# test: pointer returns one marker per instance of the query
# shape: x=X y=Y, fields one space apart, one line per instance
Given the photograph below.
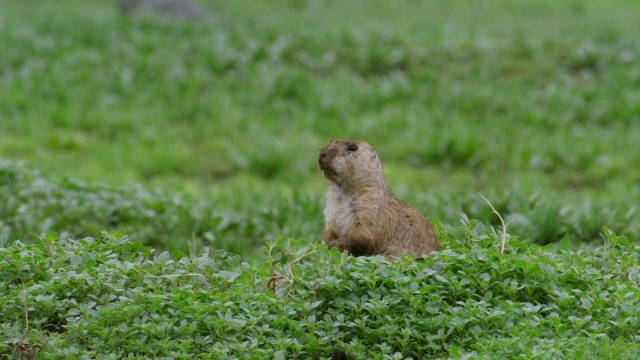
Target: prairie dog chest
x=344 y=210
x=340 y=211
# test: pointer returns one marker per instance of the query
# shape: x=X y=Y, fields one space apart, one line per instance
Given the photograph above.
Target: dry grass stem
x=504 y=225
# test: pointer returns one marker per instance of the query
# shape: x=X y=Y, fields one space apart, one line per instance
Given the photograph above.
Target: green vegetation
x=108 y=297
x=32 y=205
x=200 y=137
x=244 y=219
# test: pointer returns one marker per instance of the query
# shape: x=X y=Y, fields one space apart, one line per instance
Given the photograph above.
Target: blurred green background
x=205 y=132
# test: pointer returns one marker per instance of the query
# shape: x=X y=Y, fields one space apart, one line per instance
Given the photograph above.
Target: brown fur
x=362 y=215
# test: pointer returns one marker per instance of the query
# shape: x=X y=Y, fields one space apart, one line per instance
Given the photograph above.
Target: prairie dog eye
x=352 y=147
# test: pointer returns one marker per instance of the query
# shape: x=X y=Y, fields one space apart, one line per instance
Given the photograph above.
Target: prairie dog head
x=350 y=163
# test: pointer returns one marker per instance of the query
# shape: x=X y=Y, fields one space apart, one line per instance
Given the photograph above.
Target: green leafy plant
x=200 y=138
x=106 y=295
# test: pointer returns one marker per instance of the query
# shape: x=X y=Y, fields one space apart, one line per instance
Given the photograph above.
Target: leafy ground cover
x=452 y=99
x=242 y=222
x=200 y=138
x=109 y=297
x=538 y=112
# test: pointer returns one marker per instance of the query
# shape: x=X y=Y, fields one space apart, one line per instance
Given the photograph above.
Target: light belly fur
x=339 y=212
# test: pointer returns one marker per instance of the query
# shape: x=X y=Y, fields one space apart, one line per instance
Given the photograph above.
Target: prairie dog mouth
x=326 y=168
x=324 y=163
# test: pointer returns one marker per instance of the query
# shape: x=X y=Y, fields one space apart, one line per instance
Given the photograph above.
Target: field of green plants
x=159 y=194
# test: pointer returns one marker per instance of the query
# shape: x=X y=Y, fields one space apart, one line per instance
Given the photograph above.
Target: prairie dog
x=362 y=215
